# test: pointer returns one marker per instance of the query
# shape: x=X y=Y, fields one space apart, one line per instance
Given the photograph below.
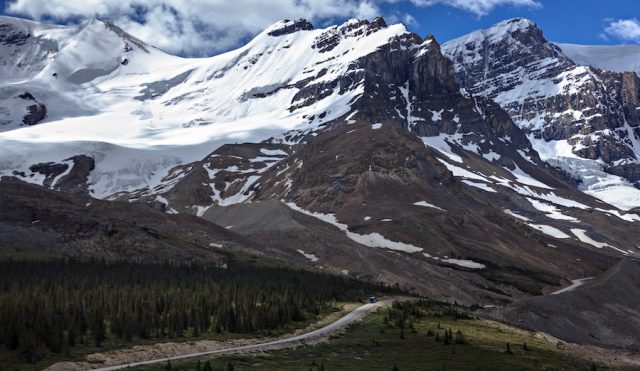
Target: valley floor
x=384 y=341
x=143 y=353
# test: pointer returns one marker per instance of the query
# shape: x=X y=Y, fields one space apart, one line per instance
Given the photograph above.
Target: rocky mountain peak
x=364 y=130
x=287 y=27
x=492 y=53
x=358 y=27
x=99 y=25
x=515 y=25
x=590 y=112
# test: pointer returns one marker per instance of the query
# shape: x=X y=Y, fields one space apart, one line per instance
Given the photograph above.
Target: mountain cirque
x=361 y=149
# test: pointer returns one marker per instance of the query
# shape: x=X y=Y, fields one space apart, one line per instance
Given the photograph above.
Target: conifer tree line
x=55 y=305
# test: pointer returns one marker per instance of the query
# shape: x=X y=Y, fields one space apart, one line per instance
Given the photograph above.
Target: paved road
x=277 y=344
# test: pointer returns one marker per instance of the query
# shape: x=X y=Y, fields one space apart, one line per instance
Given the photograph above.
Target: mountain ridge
x=358 y=137
x=579 y=118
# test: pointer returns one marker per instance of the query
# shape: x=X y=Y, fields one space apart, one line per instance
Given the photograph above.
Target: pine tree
x=71 y=337
x=67 y=303
x=448 y=337
x=508 y=350
x=98 y=329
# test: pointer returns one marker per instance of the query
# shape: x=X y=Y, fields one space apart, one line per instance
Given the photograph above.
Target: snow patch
x=465 y=263
x=481 y=186
x=574 y=285
x=309 y=256
x=551 y=211
x=515 y=215
x=372 y=239
x=582 y=236
x=549 y=230
x=426 y=204
x=273 y=152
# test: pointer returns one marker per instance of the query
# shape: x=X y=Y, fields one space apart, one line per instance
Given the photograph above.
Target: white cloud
x=625 y=29
x=409 y=20
x=479 y=7
x=195 y=27
x=206 y=27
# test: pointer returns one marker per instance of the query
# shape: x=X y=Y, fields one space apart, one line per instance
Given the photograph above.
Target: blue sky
x=207 y=27
x=570 y=21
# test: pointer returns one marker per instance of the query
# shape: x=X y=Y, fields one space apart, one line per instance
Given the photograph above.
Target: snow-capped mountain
x=355 y=144
x=580 y=118
x=359 y=149
x=105 y=92
x=139 y=112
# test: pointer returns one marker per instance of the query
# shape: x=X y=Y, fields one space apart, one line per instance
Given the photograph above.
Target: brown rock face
x=37 y=113
x=71 y=176
x=590 y=314
x=53 y=224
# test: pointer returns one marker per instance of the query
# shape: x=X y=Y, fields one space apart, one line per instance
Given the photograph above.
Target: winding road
x=343 y=322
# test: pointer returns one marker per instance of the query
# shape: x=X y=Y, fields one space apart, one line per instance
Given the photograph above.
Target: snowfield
x=139 y=111
x=617 y=58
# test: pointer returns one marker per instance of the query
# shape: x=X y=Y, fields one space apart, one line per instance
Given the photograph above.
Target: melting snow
x=460 y=172
x=311 y=257
x=465 y=263
x=551 y=211
x=70 y=165
x=628 y=217
x=426 y=204
x=527 y=179
x=491 y=156
x=372 y=239
x=515 y=215
x=549 y=230
x=440 y=144
x=273 y=152
x=582 y=236
x=482 y=186
x=574 y=285
x=436 y=115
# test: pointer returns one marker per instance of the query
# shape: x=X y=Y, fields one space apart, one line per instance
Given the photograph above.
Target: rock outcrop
x=555 y=101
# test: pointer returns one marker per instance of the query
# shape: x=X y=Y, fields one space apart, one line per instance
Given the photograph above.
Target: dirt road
x=277 y=344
